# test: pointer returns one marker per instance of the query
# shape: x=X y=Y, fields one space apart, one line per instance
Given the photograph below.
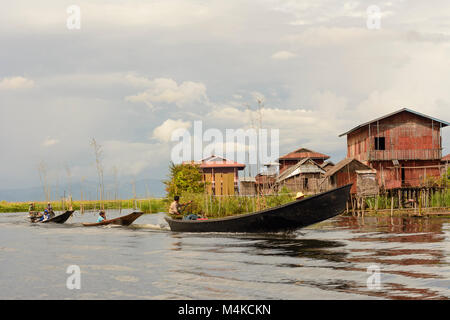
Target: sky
x=137 y=70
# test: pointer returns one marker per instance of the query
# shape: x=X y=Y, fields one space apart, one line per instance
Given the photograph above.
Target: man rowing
x=45 y=216
x=102 y=216
x=175 y=207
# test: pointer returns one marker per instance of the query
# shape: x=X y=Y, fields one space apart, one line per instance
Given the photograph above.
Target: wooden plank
x=218 y=183
x=230 y=183
x=208 y=179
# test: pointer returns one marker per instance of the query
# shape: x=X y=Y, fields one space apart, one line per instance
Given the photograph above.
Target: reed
x=228 y=205
x=152 y=205
x=438 y=199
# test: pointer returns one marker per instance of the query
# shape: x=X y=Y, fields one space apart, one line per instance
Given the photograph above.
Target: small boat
x=121 y=221
x=287 y=217
x=55 y=219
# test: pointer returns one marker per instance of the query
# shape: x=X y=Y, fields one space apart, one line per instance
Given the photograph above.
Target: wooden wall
x=406 y=135
x=412 y=140
x=297 y=183
x=222 y=181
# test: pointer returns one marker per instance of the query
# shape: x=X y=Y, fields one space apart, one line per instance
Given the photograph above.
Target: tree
x=184 y=178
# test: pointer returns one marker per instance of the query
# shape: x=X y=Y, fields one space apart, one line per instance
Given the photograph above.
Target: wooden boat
x=287 y=217
x=121 y=221
x=56 y=219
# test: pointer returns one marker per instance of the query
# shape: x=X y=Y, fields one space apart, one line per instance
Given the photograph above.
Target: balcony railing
x=419 y=154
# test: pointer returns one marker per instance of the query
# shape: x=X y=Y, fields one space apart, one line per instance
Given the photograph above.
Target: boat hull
x=287 y=217
x=57 y=219
x=121 y=221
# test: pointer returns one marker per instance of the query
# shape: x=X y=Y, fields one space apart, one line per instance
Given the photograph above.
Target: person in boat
x=31 y=207
x=299 y=196
x=102 y=216
x=192 y=216
x=175 y=207
x=49 y=207
x=45 y=216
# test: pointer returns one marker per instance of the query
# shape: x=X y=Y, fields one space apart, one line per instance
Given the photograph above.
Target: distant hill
x=144 y=187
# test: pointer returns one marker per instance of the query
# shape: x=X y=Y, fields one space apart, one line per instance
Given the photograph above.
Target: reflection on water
x=146 y=261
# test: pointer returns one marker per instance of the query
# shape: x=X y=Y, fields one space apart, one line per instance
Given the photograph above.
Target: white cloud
x=98 y=14
x=16 y=83
x=283 y=55
x=164 y=131
x=48 y=142
x=167 y=91
x=132 y=158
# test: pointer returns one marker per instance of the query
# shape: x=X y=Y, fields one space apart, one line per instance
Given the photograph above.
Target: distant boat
x=34 y=217
x=287 y=217
x=121 y=221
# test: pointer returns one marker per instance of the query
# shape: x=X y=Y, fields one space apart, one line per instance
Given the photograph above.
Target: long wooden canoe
x=121 y=221
x=287 y=217
x=57 y=219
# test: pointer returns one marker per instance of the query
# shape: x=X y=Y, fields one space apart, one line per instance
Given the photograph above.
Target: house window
x=380 y=143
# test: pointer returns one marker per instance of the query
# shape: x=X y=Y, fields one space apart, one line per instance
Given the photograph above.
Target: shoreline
x=152 y=205
x=424 y=212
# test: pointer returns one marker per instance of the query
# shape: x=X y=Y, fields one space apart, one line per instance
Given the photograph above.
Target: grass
x=222 y=206
x=437 y=202
x=145 y=205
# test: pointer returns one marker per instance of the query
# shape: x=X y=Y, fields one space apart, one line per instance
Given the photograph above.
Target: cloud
x=16 y=83
x=132 y=158
x=96 y=14
x=193 y=57
x=316 y=128
x=50 y=142
x=164 y=131
x=167 y=91
x=283 y=55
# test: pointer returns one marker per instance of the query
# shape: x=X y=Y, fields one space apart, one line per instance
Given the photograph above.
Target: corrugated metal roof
x=342 y=164
x=445 y=123
x=300 y=168
x=214 y=161
x=303 y=153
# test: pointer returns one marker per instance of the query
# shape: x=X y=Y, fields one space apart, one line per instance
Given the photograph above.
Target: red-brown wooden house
x=292 y=158
x=405 y=147
x=220 y=173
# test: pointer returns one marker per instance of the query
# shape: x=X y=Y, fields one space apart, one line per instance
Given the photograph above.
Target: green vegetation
x=146 y=205
x=184 y=178
x=427 y=200
x=222 y=206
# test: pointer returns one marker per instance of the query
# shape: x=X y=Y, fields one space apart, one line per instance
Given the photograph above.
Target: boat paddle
x=184 y=207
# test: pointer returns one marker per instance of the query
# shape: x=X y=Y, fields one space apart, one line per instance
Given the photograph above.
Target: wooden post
x=376 y=204
x=392 y=206
x=353 y=206
x=420 y=202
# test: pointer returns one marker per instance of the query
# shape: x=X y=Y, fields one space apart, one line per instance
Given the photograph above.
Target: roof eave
x=445 y=123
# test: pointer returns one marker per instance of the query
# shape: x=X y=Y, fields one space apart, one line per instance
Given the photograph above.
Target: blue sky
x=136 y=70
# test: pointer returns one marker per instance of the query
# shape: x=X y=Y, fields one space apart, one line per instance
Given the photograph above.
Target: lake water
x=147 y=261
